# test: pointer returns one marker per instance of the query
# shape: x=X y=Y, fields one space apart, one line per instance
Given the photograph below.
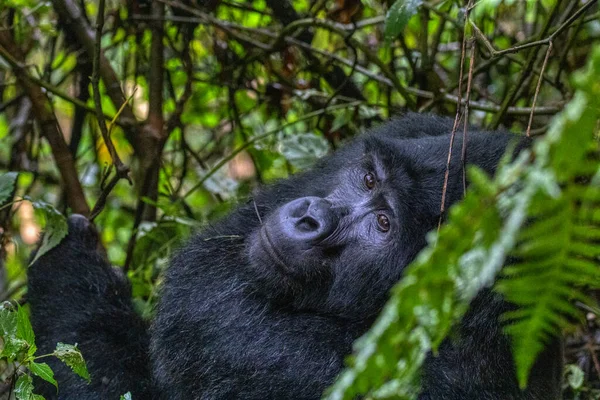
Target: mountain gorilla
x=266 y=303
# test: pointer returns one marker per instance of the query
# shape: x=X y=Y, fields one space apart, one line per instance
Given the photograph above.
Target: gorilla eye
x=383 y=222
x=370 y=180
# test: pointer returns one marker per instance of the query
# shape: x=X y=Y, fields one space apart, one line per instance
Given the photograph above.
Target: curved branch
x=42 y=109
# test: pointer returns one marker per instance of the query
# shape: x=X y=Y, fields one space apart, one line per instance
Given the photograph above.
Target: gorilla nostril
x=307 y=224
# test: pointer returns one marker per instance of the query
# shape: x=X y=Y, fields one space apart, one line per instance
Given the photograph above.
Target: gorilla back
x=266 y=303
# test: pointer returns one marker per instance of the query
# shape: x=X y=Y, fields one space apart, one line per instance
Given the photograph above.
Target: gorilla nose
x=309 y=218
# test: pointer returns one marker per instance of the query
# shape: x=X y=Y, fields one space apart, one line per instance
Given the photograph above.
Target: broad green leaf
x=303 y=150
x=398 y=16
x=24 y=329
x=55 y=229
x=12 y=345
x=70 y=355
x=7 y=185
x=342 y=118
x=24 y=389
x=127 y=396
x=8 y=321
x=44 y=371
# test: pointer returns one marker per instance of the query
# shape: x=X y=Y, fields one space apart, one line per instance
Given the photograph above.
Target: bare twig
x=79 y=28
x=343 y=30
x=537 y=89
x=552 y=36
x=456 y=121
x=121 y=170
x=458 y=115
x=532 y=56
x=463 y=157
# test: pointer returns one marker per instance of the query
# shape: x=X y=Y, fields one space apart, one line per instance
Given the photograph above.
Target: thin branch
x=343 y=30
x=524 y=75
x=121 y=170
x=463 y=157
x=77 y=25
x=42 y=109
x=59 y=93
x=456 y=120
x=537 y=89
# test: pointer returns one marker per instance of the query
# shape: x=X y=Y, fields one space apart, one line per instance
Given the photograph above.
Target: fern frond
x=557 y=253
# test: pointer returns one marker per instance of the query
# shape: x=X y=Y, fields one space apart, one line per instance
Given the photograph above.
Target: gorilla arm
x=76 y=297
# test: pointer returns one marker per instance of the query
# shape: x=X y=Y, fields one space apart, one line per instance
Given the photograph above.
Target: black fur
x=76 y=297
x=267 y=306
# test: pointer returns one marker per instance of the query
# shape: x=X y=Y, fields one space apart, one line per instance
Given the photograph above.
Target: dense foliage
x=555 y=188
x=200 y=101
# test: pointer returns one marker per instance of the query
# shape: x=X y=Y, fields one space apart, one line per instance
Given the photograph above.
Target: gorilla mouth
x=267 y=244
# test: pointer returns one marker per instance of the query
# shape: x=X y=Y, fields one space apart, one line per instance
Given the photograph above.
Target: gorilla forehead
x=408 y=170
x=396 y=151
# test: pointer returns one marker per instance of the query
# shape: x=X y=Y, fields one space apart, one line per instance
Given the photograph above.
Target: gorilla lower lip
x=267 y=244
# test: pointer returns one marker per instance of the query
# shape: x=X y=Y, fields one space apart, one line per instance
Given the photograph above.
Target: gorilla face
x=347 y=236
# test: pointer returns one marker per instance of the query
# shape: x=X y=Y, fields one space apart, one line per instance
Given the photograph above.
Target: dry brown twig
x=456 y=118
x=121 y=170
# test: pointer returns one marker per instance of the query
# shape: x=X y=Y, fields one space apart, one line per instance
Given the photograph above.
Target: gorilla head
x=338 y=237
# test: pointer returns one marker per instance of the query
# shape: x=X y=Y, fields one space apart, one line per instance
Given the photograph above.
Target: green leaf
x=55 y=228
x=126 y=396
x=44 y=371
x=304 y=149
x=575 y=376
x=24 y=389
x=7 y=185
x=8 y=322
x=24 y=329
x=70 y=355
x=558 y=250
x=398 y=16
x=12 y=345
